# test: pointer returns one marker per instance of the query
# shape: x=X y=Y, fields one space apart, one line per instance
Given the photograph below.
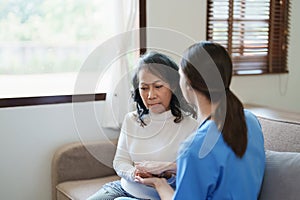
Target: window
x=255 y=33
x=46 y=42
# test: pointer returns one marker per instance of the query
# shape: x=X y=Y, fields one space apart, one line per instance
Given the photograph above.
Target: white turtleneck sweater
x=159 y=140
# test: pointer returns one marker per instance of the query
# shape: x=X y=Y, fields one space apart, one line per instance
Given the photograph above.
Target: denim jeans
x=110 y=191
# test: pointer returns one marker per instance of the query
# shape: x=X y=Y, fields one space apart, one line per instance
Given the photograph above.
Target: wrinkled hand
x=155 y=167
x=142 y=174
x=153 y=182
x=164 y=190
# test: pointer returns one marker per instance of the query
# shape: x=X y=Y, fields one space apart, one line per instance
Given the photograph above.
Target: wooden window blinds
x=255 y=33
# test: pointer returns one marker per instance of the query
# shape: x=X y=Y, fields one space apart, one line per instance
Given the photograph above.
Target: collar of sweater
x=161 y=116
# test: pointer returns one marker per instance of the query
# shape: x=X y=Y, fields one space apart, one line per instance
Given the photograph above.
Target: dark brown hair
x=162 y=66
x=208 y=67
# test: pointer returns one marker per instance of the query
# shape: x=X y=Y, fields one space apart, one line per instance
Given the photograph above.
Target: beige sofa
x=79 y=170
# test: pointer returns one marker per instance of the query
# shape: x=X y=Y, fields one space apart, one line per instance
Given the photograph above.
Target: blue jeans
x=111 y=191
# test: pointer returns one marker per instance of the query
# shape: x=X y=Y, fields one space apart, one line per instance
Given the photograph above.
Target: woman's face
x=156 y=93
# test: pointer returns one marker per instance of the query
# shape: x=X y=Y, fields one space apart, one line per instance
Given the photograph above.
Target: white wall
x=30 y=135
x=189 y=17
x=173 y=25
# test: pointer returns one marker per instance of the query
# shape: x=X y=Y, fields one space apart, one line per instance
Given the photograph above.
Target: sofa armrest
x=79 y=161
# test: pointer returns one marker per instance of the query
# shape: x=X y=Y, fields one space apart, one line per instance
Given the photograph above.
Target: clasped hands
x=152 y=173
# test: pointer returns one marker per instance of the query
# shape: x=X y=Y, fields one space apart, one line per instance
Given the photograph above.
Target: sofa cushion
x=81 y=189
x=282 y=176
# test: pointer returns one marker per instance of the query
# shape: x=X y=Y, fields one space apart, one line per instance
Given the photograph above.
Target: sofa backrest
x=77 y=161
x=280 y=135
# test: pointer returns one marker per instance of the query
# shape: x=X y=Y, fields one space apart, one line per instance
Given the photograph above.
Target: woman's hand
x=155 y=167
x=151 y=181
x=164 y=190
x=142 y=173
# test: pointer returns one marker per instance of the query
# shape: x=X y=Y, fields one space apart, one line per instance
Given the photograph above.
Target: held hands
x=152 y=173
x=142 y=174
x=152 y=182
x=155 y=174
x=156 y=168
x=164 y=190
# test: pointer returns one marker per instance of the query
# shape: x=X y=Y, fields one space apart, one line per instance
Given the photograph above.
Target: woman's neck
x=205 y=107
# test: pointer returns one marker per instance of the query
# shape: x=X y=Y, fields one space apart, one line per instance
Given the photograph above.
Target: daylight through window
x=43 y=43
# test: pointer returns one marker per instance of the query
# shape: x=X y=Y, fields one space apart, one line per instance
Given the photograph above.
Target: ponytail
x=234 y=125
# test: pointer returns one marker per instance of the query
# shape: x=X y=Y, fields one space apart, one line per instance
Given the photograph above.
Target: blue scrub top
x=207 y=168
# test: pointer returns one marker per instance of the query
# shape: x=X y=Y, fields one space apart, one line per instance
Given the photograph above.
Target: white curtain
x=118 y=87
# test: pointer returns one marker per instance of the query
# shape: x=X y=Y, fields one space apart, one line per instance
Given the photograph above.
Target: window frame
x=275 y=60
x=58 y=99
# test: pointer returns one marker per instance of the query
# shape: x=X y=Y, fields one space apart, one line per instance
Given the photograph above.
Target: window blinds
x=254 y=32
